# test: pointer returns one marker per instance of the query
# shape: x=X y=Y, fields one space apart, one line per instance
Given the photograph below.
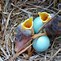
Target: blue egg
x=41 y=44
x=37 y=24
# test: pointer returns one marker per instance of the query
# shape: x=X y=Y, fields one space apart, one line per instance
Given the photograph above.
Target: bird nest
x=14 y=12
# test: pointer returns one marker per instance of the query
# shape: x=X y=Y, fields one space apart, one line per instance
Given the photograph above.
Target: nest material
x=16 y=11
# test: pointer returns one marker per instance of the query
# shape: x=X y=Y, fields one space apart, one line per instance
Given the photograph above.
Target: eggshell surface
x=37 y=24
x=41 y=44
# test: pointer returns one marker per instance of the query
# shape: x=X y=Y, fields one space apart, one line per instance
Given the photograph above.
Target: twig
x=7 y=1
x=55 y=1
x=29 y=13
x=13 y=48
x=54 y=41
x=49 y=5
x=3 y=51
x=25 y=1
x=6 y=41
x=1 y=5
x=6 y=24
x=12 y=41
x=53 y=44
x=1 y=59
x=5 y=31
x=55 y=8
x=0 y=8
x=33 y=57
x=37 y=35
x=41 y=7
x=55 y=53
x=45 y=59
x=8 y=18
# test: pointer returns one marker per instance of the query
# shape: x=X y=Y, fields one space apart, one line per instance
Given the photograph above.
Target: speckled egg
x=37 y=24
x=41 y=44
